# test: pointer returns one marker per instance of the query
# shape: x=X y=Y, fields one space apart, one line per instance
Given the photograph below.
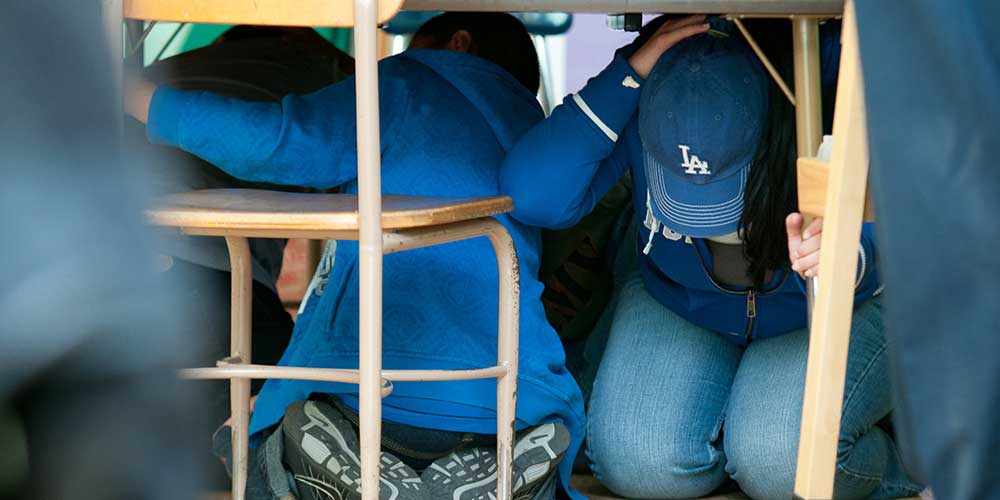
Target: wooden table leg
x=831 y=326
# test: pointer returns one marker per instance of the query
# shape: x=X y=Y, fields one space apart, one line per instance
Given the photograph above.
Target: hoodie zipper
x=750 y=293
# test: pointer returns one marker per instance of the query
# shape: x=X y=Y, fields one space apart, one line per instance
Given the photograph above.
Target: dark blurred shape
x=14 y=459
x=932 y=86
x=91 y=336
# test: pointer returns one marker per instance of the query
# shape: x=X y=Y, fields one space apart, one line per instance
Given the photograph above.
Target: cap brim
x=696 y=210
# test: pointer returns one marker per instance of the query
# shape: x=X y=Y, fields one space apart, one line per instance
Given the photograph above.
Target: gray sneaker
x=322 y=450
x=472 y=474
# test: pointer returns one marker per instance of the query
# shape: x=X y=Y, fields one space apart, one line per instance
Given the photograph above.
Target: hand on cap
x=803 y=246
x=672 y=32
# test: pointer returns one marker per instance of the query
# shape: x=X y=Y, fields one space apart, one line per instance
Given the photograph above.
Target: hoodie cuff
x=165 y=111
x=610 y=99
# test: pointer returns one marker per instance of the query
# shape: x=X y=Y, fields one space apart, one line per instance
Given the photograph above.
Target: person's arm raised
x=562 y=167
x=303 y=140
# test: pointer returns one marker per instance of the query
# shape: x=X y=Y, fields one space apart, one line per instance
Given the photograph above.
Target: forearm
x=303 y=141
x=557 y=170
x=237 y=136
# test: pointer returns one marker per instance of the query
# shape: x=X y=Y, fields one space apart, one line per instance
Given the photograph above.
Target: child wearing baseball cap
x=703 y=373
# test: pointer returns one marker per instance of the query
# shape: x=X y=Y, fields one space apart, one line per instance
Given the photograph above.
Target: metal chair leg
x=507 y=351
x=369 y=245
x=241 y=302
x=808 y=109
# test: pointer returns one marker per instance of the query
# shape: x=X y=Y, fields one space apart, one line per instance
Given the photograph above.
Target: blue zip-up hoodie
x=448 y=119
x=563 y=166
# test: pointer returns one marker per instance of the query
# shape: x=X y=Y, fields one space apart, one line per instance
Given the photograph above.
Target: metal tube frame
x=808 y=88
x=239 y=369
x=241 y=314
x=252 y=371
x=507 y=331
x=808 y=109
x=369 y=244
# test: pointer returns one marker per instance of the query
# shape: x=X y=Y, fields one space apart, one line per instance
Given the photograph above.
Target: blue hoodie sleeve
x=305 y=140
x=560 y=169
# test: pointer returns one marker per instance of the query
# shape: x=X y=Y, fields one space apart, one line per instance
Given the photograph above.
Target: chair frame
x=239 y=369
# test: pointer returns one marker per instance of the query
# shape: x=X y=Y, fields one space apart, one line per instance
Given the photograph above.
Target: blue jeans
x=676 y=408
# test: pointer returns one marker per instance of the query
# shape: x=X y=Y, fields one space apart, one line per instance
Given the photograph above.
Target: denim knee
x=764 y=464
x=653 y=465
x=761 y=459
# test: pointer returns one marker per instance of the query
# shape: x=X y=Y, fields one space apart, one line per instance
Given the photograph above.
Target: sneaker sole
x=328 y=466
x=472 y=474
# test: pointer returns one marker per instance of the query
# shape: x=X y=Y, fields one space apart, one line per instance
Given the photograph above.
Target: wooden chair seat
x=263 y=210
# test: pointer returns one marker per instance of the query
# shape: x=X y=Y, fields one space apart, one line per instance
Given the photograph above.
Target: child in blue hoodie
x=451 y=106
x=703 y=374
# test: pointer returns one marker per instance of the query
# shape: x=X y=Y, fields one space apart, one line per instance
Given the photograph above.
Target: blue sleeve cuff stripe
x=594 y=118
x=613 y=95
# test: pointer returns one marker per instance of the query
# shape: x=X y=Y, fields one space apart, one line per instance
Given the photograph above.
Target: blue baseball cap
x=701 y=116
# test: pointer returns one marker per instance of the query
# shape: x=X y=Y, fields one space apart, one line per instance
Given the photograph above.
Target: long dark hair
x=772 y=192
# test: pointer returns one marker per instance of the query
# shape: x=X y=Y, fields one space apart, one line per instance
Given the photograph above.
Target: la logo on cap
x=693 y=165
